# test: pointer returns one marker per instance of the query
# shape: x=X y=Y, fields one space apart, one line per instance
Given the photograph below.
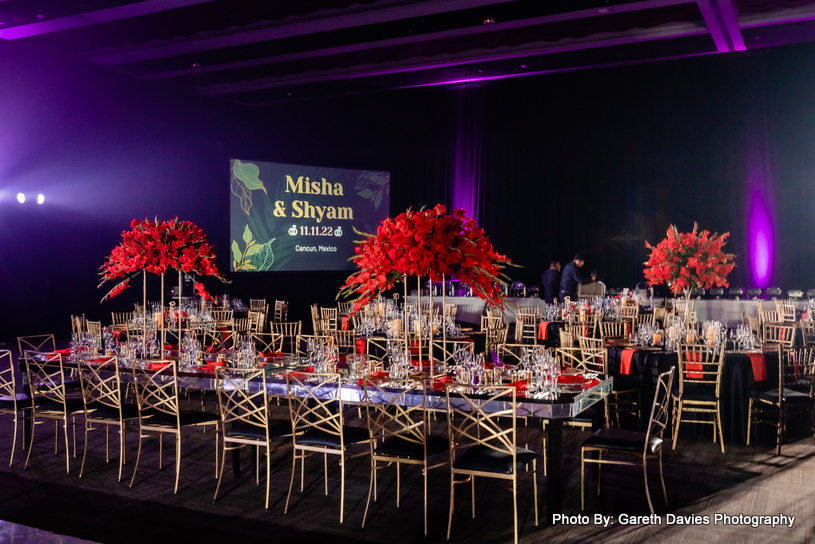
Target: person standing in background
x=571 y=278
x=550 y=282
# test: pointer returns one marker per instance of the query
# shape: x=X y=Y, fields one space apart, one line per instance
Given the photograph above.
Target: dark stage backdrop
x=596 y=162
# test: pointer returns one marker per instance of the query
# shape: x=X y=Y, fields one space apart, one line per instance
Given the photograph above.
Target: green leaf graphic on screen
x=255 y=256
x=245 y=180
x=374 y=187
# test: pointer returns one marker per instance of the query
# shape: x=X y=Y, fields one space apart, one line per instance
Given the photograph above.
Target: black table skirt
x=737 y=383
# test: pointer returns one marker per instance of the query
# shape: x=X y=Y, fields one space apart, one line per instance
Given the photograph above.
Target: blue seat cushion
x=396 y=446
x=486 y=459
x=318 y=437
x=622 y=440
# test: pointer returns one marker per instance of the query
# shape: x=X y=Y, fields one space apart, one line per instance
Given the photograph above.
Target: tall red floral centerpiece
x=425 y=243
x=155 y=246
x=687 y=260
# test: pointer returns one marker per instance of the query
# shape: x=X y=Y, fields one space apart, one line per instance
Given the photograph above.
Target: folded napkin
x=117 y=334
x=520 y=385
x=302 y=374
x=759 y=364
x=170 y=347
x=99 y=360
x=571 y=378
x=157 y=366
x=345 y=324
x=543 y=330
x=66 y=351
x=360 y=342
x=270 y=354
x=625 y=361
x=689 y=366
x=377 y=374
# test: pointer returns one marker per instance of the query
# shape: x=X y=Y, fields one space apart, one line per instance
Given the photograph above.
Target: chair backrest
x=783 y=335
x=491 y=322
x=95 y=328
x=36 y=343
x=242 y=324
x=223 y=318
x=257 y=304
x=281 y=311
x=345 y=307
x=46 y=375
x=513 y=353
x=257 y=320
x=808 y=332
x=290 y=330
x=392 y=411
x=8 y=384
x=526 y=328
x=316 y=320
x=630 y=312
x=240 y=403
x=309 y=408
x=78 y=323
x=614 y=329
x=786 y=311
x=346 y=341
x=701 y=366
x=796 y=370
x=101 y=382
x=120 y=319
x=157 y=390
x=644 y=319
x=329 y=314
x=591 y=290
x=566 y=338
x=496 y=336
x=470 y=424
x=268 y=342
x=495 y=311
x=301 y=343
x=660 y=409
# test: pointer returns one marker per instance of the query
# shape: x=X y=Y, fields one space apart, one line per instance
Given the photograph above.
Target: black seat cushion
x=396 y=446
x=622 y=440
x=486 y=459
x=625 y=382
x=791 y=396
x=242 y=429
x=71 y=405
x=23 y=402
x=696 y=392
x=187 y=417
x=317 y=437
x=103 y=411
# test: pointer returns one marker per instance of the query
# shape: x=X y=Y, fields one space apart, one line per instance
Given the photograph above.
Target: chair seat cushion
x=71 y=405
x=704 y=394
x=187 y=417
x=318 y=437
x=625 y=382
x=791 y=396
x=23 y=402
x=486 y=459
x=97 y=410
x=242 y=429
x=622 y=440
x=396 y=446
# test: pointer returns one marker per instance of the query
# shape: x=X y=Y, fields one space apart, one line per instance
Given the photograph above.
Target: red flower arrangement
x=688 y=260
x=155 y=246
x=425 y=243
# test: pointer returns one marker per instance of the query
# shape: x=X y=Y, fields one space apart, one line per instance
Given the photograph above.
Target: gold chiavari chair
x=242 y=325
x=301 y=343
x=11 y=402
x=808 y=332
x=268 y=342
x=628 y=444
x=344 y=308
x=644 y=319
x=223 y=318
x=496 y=311
x=491 y=322
x=526 y=328
x=316 y=320
x=317 y=427
x=245 y=418
x=495 y=337
x=290 y=331
x=399 y=434
x=102 y=394
x=216 y=341
x=480 y=446
x=629 y=313
x=795 y=393
x=257 y=320
x=786 y=311
x=451 y=311
x=329 y=315
x=783 y=335
x=120 y=320
x=95 y=328
x=160 y=412
x=610 y=330
x=49 y=398
x=37 y=343
x=78 y=323
x=281 y=311
x=699 y=392
x=660 y=313
x=582 y=360
x=257 y=304
x=566 y=339
x=346 y=341
x=580 y=329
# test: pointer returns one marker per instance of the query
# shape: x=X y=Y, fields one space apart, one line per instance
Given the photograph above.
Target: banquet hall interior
x=567 y=127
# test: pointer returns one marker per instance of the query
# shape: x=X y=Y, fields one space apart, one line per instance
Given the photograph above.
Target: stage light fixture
x=20 y=198
x=40 y=198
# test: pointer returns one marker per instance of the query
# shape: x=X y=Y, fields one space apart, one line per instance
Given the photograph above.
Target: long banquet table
x=556 y=411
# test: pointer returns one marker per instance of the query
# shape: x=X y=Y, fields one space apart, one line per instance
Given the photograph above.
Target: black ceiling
x=266 y=51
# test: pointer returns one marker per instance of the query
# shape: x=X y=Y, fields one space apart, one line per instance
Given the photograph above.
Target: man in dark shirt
x=550 y=282
x=571 y=278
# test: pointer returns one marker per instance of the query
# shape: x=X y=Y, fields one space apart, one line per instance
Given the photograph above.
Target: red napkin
x=345 y=320
x=170 y=347
x=117 y=334
x=625 y=361
x=360 y=342
x=270 y=354
x=759 y=366
x=157 y=366
x=66 y=351
x=804 y=315
x=569 y=378
x=377 y=374
x=302 y=374
x=211 y=349
x=627 y=330
x=543 y=328
x=520 y=385
x=697 y=357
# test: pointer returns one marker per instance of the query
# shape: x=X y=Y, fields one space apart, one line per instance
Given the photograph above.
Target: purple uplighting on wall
x=761 y=239
x=467 y=150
